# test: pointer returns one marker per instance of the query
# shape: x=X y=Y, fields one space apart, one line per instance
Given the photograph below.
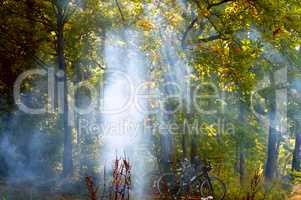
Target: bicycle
x=191 y=181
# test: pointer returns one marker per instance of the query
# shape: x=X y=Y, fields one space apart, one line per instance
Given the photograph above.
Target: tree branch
x=39 y=19
x=120 y=11
x=186 y=32
x=217 y=4
x=40 y=62
x=207 y=39
x=210 y=38
x=68 y=13
x=198 y=4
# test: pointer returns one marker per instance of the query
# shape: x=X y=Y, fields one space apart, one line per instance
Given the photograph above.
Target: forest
x=150 y=99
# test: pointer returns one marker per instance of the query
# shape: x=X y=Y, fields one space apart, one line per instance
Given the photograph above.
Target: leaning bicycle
x=192 y=182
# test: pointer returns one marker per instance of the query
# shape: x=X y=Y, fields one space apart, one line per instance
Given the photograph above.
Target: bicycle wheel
x=195 y=189
x=152 y=179
x=213 y=187
x=168 y=185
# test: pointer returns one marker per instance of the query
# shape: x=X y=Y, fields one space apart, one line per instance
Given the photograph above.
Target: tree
x=273 y=140
x=62 y=14
x=297 y=151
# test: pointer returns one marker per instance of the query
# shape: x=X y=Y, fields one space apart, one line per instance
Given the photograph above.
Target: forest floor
x=53 y=190
x=66 y=190
x=296 y=193
x=57 y=191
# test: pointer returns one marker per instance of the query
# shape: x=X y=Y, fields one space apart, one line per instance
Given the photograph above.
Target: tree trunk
x=67 y=157
x=166 y=149
x=184 y=144
x=273 y=140
x=297 y=152
x=272 y=157
x=241 y=166
x=240 y=146
x=186 y=137
x=194 y=147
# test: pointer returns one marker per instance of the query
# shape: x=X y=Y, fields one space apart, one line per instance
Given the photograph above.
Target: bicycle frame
x=199 y=176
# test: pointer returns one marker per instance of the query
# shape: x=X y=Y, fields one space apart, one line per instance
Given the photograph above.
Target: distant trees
x=21 y=22
x=236 y=57
x=33 y=34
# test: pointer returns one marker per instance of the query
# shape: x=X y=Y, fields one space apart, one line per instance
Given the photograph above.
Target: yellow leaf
x=146 y=25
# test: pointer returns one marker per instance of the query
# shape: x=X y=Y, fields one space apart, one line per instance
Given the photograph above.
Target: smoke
x=26 y=158
x=123 y=106
x=174 y=88
x=28 y=151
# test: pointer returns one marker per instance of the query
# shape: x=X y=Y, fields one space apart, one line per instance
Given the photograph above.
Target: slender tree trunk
x=77 y=100
x=272 y=157
x=67 y=156
x=77 y=103
x=186 y=137
x=241 y=166
x=240 y=146
x=273 y=140
x=242 y=149
x=194 y=147
x=297 y=152
x=184 y=144
x=166 y=149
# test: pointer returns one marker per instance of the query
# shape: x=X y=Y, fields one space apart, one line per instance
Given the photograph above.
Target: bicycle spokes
x=168 y=185
x=214 y=188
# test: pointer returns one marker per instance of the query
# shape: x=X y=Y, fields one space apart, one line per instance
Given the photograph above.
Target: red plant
x=121 y=179
x=91 y=188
